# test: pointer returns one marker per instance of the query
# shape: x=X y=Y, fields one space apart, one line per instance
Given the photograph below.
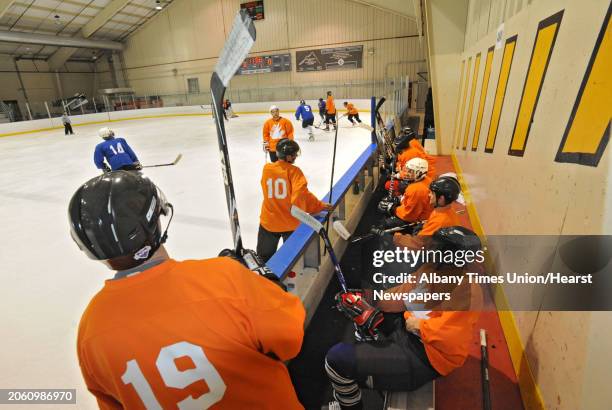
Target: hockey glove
x=365 y=317
x=266 y=146
x=387 y=206
x=251 y=260
x=138 y=165
x=106 y=168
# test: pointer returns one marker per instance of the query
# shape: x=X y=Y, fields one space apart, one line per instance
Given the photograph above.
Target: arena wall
x=539 y=164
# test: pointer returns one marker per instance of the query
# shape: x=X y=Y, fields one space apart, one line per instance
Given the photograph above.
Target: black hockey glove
x=251 y=260
x=365 y=317
x=106 y=168
x=387 y=206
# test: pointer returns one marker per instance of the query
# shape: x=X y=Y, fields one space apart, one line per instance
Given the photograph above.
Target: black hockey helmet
x=456 y=238
x=446 y=186
x=302 y=102
x=115 y=218
x=329 y=93
x=320 y=99
x=287 y=147
x=402 y=140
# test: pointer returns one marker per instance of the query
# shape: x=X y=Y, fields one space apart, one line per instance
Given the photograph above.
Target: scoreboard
x=265 y=64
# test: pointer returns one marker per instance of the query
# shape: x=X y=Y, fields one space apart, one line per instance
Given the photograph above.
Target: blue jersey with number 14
x=305 y=112
x=117 y=153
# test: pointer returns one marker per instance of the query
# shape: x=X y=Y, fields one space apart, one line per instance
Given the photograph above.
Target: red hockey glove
x=365 y=317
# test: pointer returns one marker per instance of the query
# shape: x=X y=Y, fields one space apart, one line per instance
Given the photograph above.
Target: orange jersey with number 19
x=283 y=185
x=196 y=334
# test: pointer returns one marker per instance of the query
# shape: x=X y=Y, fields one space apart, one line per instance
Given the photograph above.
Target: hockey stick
x=484 y=371
x=317 y=226
x=365 y=126
x=235 y=50
x=383 y=134
x=178 y=158
x=346 y=235
x=331 y=182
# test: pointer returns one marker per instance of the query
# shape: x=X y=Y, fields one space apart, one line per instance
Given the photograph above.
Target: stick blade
x=341 y=230
x=365 y=126
x=178 y=158
x=306 y=218
x=237 y=47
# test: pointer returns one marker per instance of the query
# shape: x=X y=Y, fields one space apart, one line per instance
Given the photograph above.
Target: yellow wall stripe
x=588 y=130
x=530 y=392
x=483 y=97
x=459 y=102
x=465 y=88
x=536 y=72
x=500 y=92
x=468 y=120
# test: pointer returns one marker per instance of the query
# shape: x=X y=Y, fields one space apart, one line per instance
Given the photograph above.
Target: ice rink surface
x=47 y=281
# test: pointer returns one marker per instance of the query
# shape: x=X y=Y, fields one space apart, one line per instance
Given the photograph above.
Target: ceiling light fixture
x=158 y=5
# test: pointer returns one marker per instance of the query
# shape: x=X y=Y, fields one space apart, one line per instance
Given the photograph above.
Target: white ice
x=46 y=281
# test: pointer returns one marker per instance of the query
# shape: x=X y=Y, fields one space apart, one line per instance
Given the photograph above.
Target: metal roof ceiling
x=39 y=16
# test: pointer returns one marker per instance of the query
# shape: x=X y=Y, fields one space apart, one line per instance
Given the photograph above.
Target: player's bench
x=303 y=251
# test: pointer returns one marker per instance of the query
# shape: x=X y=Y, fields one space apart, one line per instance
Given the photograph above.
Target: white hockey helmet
x=273 y=108
x=106 y=133
x=419 y=168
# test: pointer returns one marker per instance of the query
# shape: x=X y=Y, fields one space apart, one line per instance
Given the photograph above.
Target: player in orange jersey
x=415 y=204
x=274 y=130
x=330 y=115
x=431 y=339
x=162 y=333
x=407 y=147
x=442 y=193
x=353 y=114
x=283 y=185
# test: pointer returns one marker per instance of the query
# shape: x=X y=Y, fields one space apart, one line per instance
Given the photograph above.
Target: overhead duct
x=50 y=40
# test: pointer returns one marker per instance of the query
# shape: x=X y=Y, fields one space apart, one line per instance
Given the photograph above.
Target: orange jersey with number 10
x=198 y=334
x=283 y=185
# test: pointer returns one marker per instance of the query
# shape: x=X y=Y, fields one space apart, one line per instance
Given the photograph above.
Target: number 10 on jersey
x=277 y=188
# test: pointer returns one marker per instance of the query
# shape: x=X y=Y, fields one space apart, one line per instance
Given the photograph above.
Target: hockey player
x=330 y=113
x=442 y=193
x=322 y=111
x=407 y=147
x=116 y=152
x=175 y=334
x=304 y=111
x=283 y=185
x=228 y=110
x=432 y=339
x=353 y=114
x=275 y=129
x=415 y=204
x=67 y=124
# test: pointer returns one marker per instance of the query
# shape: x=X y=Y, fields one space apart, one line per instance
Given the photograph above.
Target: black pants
x=273 y=156
x=68 y=129
x=355 y=116
x=306 y=123
x=267 y=242
x=330 y=118
x=129 y=167
x=398 y=363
